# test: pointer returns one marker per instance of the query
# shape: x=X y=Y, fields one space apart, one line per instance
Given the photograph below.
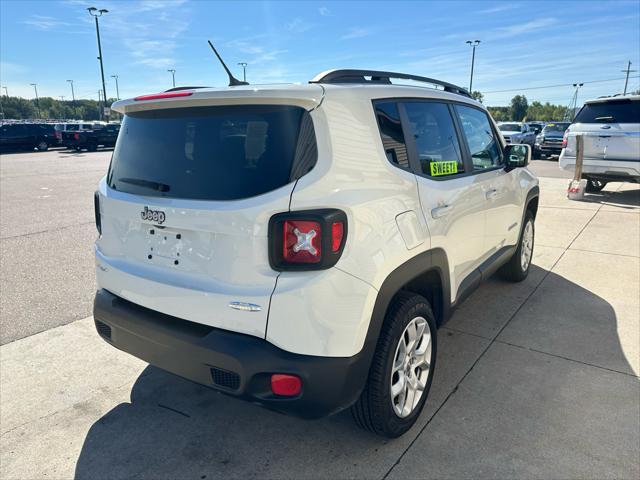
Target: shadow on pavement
x=177 y=429
x=627 y=199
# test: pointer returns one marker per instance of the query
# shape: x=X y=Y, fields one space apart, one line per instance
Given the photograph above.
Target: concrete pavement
x=47 y=229
x=537 y=379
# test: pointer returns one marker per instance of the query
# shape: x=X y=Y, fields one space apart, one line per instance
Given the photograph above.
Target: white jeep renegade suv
x=298 y=246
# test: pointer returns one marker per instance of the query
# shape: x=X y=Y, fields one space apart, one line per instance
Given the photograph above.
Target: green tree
x=477 y=96
x=519 y=107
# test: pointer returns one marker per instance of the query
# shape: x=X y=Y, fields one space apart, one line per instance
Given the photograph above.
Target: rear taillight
x=76 y=136
x=301 y=241
x=96 y=208
x=565 y=139
x=306 y=240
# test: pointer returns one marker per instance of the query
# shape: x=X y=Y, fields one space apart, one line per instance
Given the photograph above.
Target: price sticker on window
x=443 y=168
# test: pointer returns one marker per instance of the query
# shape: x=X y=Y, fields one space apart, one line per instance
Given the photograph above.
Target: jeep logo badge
x=155 y=216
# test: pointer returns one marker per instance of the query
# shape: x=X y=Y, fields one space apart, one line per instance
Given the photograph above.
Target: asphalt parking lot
x=537 y=379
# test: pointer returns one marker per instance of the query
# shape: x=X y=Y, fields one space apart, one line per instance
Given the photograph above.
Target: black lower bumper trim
x=236 y=364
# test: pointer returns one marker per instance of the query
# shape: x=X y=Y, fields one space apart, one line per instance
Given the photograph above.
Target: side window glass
x=483 y=143
x=391 y=133
x=436 y=139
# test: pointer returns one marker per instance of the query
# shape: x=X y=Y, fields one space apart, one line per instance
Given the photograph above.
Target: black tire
x=594 y=186
x=42 y=146
x=374 y=411
x=92 y=147
x=513 y=270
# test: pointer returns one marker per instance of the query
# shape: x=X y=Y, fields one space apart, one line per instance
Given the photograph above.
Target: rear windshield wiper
x=608 y=117
x=161 y=187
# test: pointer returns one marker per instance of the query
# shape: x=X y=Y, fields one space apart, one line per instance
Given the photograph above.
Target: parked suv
x=549 y=141
x=299 y=245
x=27 y=136
x=611 y=130
x=517 y=132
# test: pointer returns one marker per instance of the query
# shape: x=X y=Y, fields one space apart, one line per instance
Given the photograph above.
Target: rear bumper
x=236 y=364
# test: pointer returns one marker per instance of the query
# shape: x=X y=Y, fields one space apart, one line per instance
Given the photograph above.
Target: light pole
x=244 y=70
x=173 y=75
x=35 y=87
x=95 y=13
x=73 y=97
x=6 y=92
x=627 y=71
x=117 y=89
x=473 y=44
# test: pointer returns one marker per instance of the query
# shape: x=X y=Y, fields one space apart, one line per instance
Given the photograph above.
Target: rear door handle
x=440 y=212
x=491 y=194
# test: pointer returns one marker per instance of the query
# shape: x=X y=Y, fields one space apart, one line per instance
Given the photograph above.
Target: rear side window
x=618 y=111
x=212 y=153
x=436 y=139
x=391 y=132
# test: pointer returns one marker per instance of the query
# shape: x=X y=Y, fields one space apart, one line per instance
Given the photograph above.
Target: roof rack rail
x=177 y=89
x=380 y=77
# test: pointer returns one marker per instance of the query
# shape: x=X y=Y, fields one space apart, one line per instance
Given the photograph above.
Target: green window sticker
x=443 y=168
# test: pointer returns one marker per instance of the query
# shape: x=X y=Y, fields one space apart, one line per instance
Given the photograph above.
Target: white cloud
x=299 y=25
x=43 y=22
x=522 y=28
x=324 y=11
x=500 y=8
x=357 y=32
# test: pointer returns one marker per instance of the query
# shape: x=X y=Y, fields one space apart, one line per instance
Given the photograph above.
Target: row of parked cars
x=545 y=138
x=28 y=136
x=610 y=127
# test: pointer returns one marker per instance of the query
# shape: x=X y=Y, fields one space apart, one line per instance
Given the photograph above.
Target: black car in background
x=27 y=136
x=98 y=136
x=549 y=141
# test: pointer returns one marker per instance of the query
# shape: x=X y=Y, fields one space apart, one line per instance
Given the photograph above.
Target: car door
x=451 y=199
x=499 y=187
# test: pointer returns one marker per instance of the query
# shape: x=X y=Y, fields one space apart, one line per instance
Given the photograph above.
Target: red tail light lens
x=157 y=96
x=301 y=241
x=306 y=240
x=76 y=136
x=565 y=138
x=286 y=385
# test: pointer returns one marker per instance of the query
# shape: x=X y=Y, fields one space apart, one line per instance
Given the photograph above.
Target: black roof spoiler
x=384 y=78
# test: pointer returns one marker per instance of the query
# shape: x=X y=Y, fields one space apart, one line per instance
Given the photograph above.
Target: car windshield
x=509 y=127
x=212 y=153
x=623 y=110
x=556 y=127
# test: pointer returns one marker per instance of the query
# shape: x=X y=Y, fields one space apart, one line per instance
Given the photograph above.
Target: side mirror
x=517 y=155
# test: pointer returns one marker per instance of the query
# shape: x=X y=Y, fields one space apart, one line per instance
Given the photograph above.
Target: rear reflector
x=337 y=232
x=157 y=96
x=286 y=385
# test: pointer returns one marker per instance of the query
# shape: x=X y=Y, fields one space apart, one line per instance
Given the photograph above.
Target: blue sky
x=524 y=44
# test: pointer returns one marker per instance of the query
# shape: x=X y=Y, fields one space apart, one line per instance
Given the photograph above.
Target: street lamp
x=95 y=13
x=244 y=70
x=6 y=92
x=73 y=97
x=173 y=75
x=473 y=44
x=35 y=87
x=117 y=89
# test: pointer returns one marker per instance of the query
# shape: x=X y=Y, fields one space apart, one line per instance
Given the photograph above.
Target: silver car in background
x=517 y=132
x=611 y=130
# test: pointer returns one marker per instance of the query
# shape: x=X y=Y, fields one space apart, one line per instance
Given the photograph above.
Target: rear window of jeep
x=212 y=153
